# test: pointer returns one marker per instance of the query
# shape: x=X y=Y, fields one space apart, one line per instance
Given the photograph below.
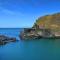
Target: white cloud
x=7 y=11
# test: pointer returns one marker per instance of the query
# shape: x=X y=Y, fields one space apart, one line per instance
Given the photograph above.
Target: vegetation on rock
x=49 y=21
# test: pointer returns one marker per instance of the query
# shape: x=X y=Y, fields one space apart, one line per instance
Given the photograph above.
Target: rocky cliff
x=49 y=21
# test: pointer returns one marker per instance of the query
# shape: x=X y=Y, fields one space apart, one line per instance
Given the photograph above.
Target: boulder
x=5 y=39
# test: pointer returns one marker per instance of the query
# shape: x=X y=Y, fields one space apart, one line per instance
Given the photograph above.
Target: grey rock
x=5 y=39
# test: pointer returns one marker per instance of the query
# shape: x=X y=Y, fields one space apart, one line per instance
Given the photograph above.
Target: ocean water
x=43 y=49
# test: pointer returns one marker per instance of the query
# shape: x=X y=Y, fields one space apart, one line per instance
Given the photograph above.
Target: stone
x=5 y=39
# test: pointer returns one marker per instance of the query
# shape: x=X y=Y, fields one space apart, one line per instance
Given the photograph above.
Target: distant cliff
x=49 y=21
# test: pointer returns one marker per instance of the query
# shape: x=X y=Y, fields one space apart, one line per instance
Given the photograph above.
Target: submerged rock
x=5 y=39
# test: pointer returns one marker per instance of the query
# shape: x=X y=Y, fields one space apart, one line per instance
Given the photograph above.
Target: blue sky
x=23 y=13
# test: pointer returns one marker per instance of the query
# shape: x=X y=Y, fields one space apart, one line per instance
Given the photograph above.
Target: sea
x=40 y=49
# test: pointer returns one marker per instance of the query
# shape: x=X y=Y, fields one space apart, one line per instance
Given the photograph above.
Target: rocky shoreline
x=5 y=39
x=31 y=33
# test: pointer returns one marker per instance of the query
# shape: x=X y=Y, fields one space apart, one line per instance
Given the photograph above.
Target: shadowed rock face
x=5 y=39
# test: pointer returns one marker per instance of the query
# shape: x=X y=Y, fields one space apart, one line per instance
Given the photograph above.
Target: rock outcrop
x=47 y=26
x=5 y=39
x=48 y=21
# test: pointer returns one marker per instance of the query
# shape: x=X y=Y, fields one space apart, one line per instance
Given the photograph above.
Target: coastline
x=33 y=34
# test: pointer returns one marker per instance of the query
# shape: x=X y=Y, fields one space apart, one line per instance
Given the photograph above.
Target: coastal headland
x=47 y=26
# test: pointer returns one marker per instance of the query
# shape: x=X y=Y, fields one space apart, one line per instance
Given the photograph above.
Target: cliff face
x=49 y=21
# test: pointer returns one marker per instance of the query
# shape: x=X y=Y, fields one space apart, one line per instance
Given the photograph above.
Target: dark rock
x=5 y=39
x=3 y=43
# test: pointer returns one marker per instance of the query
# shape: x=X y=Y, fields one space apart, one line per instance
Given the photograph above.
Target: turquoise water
x=43 y=49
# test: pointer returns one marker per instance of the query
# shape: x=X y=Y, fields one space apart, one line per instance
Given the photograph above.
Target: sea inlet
x=42 y=49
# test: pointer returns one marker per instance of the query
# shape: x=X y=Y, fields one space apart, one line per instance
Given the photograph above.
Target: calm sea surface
x=43 y=49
